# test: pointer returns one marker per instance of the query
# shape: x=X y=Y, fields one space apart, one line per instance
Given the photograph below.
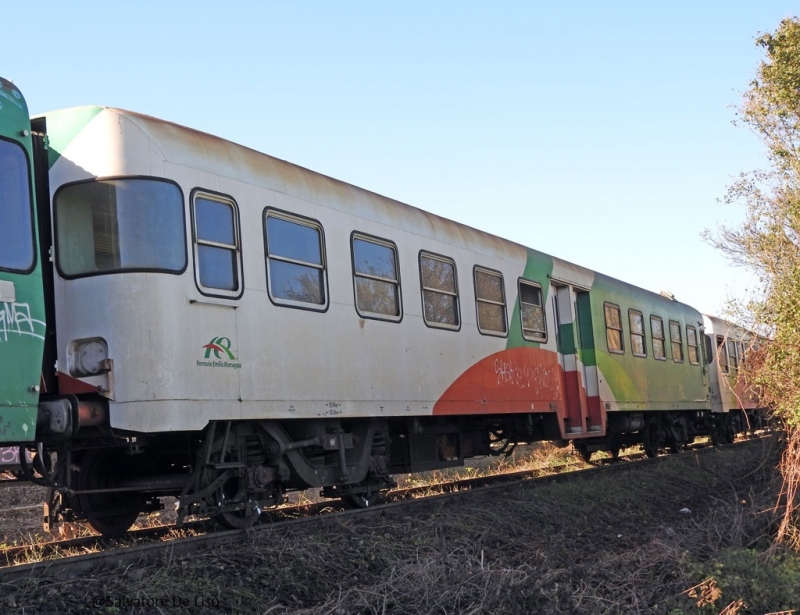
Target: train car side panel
x=644 y=353
x=232 y=357
x=22 y=320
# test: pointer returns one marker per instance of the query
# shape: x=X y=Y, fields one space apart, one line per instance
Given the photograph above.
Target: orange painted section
x=510 y=381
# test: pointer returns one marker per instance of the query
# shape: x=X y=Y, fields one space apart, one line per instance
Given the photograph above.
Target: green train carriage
x=652 y=368
x=22 y=308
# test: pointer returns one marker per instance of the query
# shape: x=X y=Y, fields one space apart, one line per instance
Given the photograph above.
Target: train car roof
x=720 y=326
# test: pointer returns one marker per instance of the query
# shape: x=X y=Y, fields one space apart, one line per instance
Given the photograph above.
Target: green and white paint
x=22 y=326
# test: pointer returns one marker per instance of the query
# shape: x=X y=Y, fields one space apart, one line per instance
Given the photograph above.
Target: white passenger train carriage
x=729 y=346
x=208 y=339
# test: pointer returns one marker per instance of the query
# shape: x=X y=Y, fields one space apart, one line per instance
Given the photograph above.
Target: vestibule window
x=614 y=329
x=531 y=311
x=216 y=243
x=691 y=342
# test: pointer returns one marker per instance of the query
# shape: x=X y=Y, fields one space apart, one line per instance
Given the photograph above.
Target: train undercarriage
x=671 y=431
x=235 y=469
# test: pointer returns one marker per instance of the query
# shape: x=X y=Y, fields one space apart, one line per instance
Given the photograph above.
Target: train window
x=691 y=345
x=115 y=225
x=676 y=341
x=722 y=354
x=295 y=261
x=16 y=212
x=490 y=299
x=217 y=253
x=439 y=291
x=733 y=356
x=376 y=278
x=708 y=349
x=614 y=329
x=657 y=331
x=638 y=345
x=531 y=312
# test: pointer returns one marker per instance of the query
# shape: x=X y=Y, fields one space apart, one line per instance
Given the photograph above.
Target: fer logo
x=219 y=346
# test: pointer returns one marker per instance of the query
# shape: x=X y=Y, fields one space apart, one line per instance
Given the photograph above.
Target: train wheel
x=242 y=511
x=723 y=431
x=110 y=514
x=584 y=452
x=651 y=438
x=241 y=519
x=373 y=493
x=363 y=500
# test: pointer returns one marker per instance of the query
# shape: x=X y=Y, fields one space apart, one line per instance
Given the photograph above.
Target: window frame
x=621 y=332
x=632 y=312
x=236 y=247
x=478 y=300
x=536 y=285
x=379 y=241
x=723 y=367
x=672 y=342
x=443 y=259
x=661 y=339
x=689 y=345
x=300 y=220
x=733 y=358
x=34 y=244
x=113 y=178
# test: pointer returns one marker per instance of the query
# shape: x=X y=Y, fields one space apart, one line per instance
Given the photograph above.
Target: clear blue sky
x=597 y=132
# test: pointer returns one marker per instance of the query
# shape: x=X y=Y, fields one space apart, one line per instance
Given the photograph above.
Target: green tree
x=768 y=242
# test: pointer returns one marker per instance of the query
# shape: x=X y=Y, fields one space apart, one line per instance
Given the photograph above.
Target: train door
x=704 y=359
x=583 y=311
x=575 y=343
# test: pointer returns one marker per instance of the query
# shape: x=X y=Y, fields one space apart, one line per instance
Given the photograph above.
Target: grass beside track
x=76 y=539
x=687 y=536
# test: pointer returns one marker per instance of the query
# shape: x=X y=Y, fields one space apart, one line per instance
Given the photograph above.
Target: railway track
x=81 y=554
x=44 y=551
x=6 y=481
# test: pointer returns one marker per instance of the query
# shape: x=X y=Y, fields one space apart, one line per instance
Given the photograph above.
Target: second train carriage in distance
x=231 y=326
x=728 y=347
